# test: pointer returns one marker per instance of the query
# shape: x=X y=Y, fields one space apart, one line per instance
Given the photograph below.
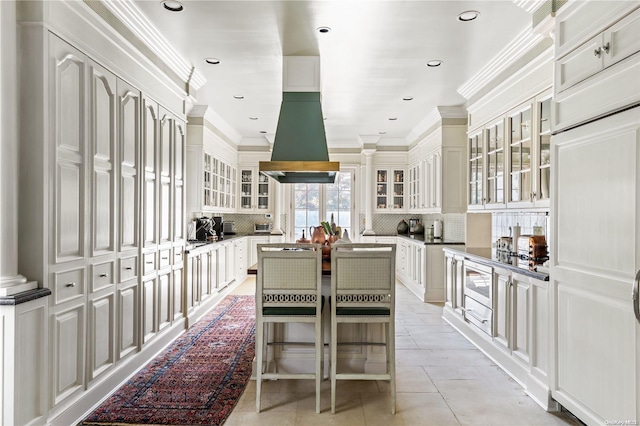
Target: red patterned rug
x=197 y=380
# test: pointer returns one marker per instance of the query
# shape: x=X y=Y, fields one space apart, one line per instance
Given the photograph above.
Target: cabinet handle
x=474 y=316
x=605 y=48
x=598 y=52
x=104 y=275
x=128 y=268
x=70 y=285
x=149 y=262
x=636 y=297
x=164 y=258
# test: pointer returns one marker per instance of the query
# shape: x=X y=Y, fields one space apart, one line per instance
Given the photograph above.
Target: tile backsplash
x=501 y=221
x=386 y=224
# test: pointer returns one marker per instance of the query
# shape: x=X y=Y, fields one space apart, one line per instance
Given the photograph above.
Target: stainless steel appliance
x=262 y=228
x=229 y=227
x=413 y=224
x=478 y=308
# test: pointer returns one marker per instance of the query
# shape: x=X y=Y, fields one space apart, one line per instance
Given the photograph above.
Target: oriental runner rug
x=197 y=380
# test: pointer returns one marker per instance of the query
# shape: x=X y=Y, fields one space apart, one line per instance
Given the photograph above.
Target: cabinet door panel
x=623 y=39
x=102 y=128
x=164 y=301
x=148 y=309
x=165 y=211
x=165 y=145
x=502 y=312
x=177 y=294
x=68 y=94
x=68 y=327
x=69 y=211
x=101 y=335
x=127 y=321
x=129 y=133
x=521 y=317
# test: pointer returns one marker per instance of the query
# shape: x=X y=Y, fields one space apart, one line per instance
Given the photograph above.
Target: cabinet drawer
x=149 y=263
x=128 y=268
x=69 y=285
x=101 y=276
x=165 y=258
x=478 y=315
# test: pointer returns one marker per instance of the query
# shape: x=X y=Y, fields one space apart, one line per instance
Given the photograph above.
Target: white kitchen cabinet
x=252 y=244
x=597 y=61
x=102 y=150
x=502 y=308
x=476 y=171
x=164 y=301
x=495 y=177
x=389 y=189
x=425 y=271
x=150 y=197
x=240 y=256
x=454 y=294
x=518 y=339
x=101 y=333
x=415 y=184
x=254 y=190
x=528 y=153
x=214 y=179
x=68 y=355
x=128 y=319
x=594 y=272
x=129 y=113
x=606 y=48
x=433 y=184
x=149 y=308
x=178 y=189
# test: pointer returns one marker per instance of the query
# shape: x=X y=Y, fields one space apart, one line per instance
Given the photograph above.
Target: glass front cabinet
x=529 y=153
x=476 y=171
x=219 y=184
x=254 y=190
x=509 y=159
x=389 y=189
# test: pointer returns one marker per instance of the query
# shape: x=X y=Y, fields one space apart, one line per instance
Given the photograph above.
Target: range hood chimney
x=300 y=153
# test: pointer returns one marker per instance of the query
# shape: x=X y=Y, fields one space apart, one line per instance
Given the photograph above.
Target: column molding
x=11 y=282
x=368 y=208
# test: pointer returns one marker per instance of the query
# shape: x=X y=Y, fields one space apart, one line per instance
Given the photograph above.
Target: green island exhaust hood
x=300 y=153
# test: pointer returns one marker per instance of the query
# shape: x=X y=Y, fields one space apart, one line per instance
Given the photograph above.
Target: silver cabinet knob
x=104 y=275
x=70 y=285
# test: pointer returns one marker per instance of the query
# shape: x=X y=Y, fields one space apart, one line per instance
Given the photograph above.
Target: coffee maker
x=413 y=225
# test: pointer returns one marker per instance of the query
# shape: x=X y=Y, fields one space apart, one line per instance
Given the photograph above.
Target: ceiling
x=373 y=57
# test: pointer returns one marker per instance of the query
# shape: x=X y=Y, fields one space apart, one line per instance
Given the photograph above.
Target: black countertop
x=488 y=256
x=422 y=238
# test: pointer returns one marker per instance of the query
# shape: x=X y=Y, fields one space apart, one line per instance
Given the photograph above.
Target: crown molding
x=506 y=57
x=434 y=118
x=216 y=124
x=133 y=18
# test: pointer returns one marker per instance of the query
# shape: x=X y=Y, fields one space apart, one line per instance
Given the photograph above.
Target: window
x=314 y=203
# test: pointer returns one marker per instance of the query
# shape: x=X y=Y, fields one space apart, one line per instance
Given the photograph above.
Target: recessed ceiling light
x=263 y=131
x=469 y=15
x=253 y=118
x=323 y=30
x=434 y=63
x=382 y=133
x=238 y=97
x=212 y=61
x=172 y=5
x=393 y=118
x=407 y=98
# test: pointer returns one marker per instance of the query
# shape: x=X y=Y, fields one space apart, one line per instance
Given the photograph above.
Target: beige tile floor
x=441 y=380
